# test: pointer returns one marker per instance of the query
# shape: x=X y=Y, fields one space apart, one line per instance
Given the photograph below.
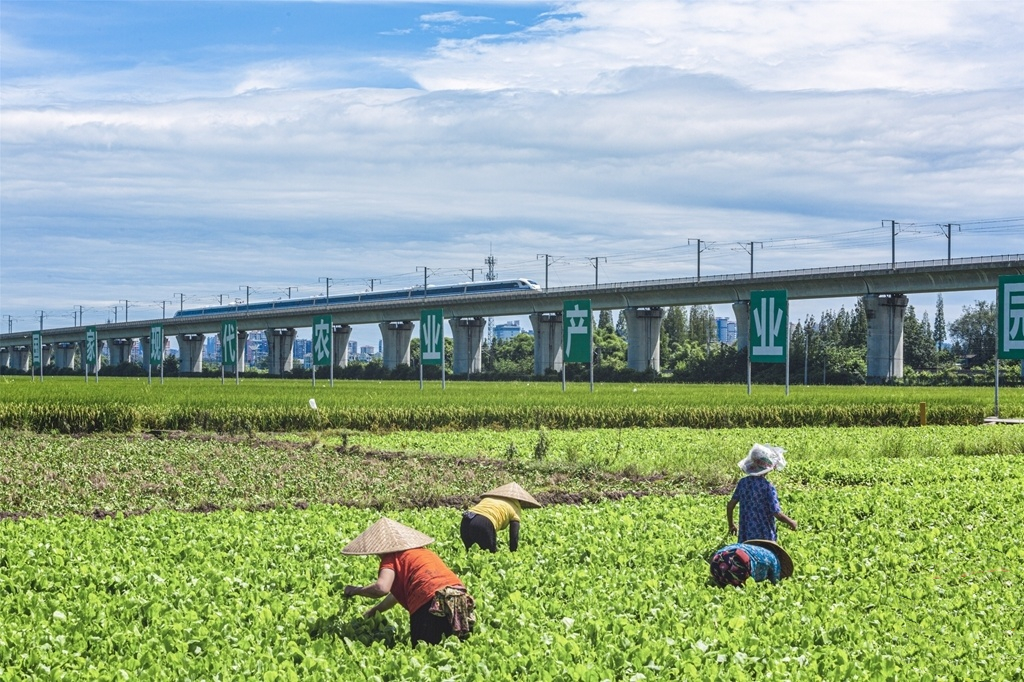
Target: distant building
x=353 y=348
x=366 y=353
x=509 y=330
x=211 y=349
x=302 y=347
x=725 y=330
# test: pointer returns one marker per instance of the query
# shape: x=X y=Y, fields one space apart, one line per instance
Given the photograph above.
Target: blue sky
x=154 y=149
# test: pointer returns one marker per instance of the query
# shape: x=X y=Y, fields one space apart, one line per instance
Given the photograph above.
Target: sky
x=163 y=154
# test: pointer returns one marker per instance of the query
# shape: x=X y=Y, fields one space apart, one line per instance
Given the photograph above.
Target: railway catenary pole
x=593 y=261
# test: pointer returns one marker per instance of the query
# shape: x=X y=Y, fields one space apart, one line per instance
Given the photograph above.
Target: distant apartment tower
x=366 y=352
x=353 y=349
x=508 y=330
x=725 y=330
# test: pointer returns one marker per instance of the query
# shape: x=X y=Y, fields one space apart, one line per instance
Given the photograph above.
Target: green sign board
x=156 y=345
x=1010 y=307
x=228 y=343
x=37 y=349
x=769 y=326
x=577 y=330
x=91 y=345
x=322 y=342
x=432 y=337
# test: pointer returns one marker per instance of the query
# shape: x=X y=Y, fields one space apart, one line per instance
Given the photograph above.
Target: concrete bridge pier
x=643 y=338
x=21 y=358
x=65 y=355
x=5 y=357
x=243 y=347
x=547 y=342
x=396 y=336
x=885 y=336
x=741 y=311
x=468 y=343
x=340 y=335
x=190 y=353
x=120 y=351
x=280 y=351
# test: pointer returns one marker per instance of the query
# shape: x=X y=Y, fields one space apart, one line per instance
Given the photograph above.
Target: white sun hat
x=386 y=536
x=761 y=459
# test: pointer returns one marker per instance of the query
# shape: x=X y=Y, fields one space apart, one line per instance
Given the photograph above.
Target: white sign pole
x=788 y=329
x=997 y=386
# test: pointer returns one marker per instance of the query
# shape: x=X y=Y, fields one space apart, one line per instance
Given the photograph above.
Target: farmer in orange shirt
x=416 y=578
x=499 y=509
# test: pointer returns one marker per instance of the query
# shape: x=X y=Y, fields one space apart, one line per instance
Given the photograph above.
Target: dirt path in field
x=290 y=473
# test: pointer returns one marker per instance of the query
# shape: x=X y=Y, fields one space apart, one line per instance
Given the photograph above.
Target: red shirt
x=419 y=573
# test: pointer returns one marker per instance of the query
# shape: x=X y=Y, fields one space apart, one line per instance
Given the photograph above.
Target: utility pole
x=247 y=289
x=548 y=260
x=290 y=291
x=328 y=280
x=700 y=248
x=424 y=269
x=10 y=324
x=472 y=271
x=81 y=315
x=163 y=307
x=948 y=232
x=371 y=281
x=125 y=310
x=893 y=224
x=751 y=252
x=115 y=314
x=593 y=261
x=182 y=305
x=41 y=315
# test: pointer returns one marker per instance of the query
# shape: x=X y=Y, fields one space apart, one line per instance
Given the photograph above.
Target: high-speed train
x=485 y=287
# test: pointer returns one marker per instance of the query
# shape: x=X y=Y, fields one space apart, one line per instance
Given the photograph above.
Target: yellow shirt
x=498 y=511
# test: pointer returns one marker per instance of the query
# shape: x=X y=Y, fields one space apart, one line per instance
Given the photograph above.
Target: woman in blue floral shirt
x=756 y=497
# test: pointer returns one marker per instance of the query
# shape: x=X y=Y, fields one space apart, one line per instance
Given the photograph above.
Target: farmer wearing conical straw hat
x=499 y=509
x=413 y=576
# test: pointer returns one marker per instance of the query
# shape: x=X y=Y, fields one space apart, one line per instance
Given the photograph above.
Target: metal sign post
x=577 y=336
x=769 y=330
x=1010 y=323
x=323 y=345
x=432 y=341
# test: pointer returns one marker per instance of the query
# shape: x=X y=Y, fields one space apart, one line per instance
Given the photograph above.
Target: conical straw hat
x=513 y=491
x=785 y=563
x=386 y=536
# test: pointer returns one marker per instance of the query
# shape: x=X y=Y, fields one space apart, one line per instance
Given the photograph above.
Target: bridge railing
x=805 y=272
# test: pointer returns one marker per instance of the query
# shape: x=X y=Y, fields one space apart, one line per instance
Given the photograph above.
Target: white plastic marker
x=312 y=403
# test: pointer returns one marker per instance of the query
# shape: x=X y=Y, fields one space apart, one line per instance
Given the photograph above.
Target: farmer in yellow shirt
x=499 y=509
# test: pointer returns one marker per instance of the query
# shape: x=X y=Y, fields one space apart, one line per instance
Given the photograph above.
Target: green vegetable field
x=199 y=554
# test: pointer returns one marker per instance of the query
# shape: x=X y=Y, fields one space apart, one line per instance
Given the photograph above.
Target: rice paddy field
x=145 y=548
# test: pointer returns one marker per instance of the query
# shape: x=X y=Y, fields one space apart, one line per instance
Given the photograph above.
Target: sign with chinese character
x=156 y=345
x=1010 y=310
x=769 y=326
x=322 y=341
x=37 y=349
x=228 y=343
x=577 y=327
x=432 y=337
x=91 y=346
